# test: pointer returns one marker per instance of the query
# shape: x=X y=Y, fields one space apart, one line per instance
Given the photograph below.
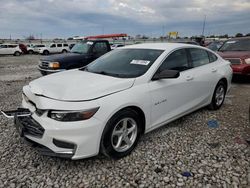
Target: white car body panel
x=161 y=101
x=91 y=90
x=9 y=51
x=53 y=50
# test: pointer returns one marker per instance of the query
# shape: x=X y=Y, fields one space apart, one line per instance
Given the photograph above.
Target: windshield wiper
x=111 y=74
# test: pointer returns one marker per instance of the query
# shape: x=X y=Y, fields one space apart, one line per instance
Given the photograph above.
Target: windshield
x=81 y=47
x=236 y=45
x=124 y=63
x=214 y=46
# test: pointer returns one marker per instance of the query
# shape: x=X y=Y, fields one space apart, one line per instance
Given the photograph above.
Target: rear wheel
x=121 y=134
x=45 y=52
x=218 y=96
x=30 y=51
x=64 y=51
x=17 y=53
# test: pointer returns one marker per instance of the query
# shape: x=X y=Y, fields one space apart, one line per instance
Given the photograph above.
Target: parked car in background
x=114 y=46
x=190 y=42
x=71 y=45
x=237 y=51
x=10 y=49
x=23 y=48
x=80 y=55
x=54 y=48
x=106 y=106
x=215 y=45
x=37 y=47
x=30 y=48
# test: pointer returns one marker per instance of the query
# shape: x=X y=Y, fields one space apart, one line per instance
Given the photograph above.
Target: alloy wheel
x=124 y=134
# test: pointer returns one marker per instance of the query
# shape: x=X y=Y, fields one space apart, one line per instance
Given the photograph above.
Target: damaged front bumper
x=29 y=129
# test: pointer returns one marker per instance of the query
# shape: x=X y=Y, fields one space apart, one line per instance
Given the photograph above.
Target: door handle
x=214 y=70
x=188 y=78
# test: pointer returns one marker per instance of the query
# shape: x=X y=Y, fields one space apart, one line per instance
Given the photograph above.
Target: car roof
x=8 y=44
x=160 y=46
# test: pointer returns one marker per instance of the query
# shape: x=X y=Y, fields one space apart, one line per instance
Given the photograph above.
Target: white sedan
x=106 y=106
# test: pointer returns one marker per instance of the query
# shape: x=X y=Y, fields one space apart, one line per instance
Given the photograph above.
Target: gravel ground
x=211 y=157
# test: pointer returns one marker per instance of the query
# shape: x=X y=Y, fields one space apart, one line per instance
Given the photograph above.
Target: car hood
x=235 y=54
x=77 y=85
x=63 y=57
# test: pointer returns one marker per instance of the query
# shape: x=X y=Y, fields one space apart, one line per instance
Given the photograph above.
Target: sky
x=153 y=18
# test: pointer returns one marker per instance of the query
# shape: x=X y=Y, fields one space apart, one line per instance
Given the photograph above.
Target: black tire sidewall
x=106 y=145
x=213 y=104
x=46 y=52
x=17 y=53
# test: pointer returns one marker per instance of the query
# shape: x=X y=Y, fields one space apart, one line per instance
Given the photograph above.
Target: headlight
x=54 y=65
x=247 y=61
x=72 y=115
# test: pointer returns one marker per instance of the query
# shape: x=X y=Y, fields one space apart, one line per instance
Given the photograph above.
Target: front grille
x=44 y=64
x=234 y=61
x=31 y=127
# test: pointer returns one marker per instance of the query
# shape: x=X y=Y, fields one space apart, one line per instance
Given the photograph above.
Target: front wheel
x=17 y=53
x=121 y=134
x=218 y=96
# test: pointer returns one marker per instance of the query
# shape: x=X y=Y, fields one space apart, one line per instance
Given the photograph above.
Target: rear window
x=12 y=46
x=59 y=45
x=199 y=57
x=212 y=57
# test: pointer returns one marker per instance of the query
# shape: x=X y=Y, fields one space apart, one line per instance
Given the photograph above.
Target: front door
x=172 y=97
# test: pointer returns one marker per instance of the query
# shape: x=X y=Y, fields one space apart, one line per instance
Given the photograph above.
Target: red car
x=237 y=51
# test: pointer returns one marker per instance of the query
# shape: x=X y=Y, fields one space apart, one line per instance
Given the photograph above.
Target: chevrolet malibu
x=108 y=105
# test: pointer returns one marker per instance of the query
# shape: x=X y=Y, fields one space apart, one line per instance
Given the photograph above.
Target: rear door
x=59 y=48
x=205 y=75
x=11 y=48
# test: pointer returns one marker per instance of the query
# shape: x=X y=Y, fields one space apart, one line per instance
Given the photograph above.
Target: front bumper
x=49 y=71
x=73 y=140
x=28 y=127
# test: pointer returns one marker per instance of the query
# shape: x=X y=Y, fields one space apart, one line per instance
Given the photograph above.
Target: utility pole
x=204 y=24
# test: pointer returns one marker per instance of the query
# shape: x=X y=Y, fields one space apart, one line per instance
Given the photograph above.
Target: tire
x=218 y=96
x=17 y=53
x=64 y=51
x=30 y=52
x=45 y=52
x=117 y=129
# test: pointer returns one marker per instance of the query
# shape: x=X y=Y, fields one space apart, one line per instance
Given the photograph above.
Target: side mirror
x=166 y=74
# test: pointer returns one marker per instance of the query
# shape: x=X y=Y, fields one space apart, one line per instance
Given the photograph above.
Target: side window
x=65 y=45
x=53 y=45
x=59 y=45
x=199 y=57
x=176 y=61
x=12 y=46
x=100 y=48
x=212 y=57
